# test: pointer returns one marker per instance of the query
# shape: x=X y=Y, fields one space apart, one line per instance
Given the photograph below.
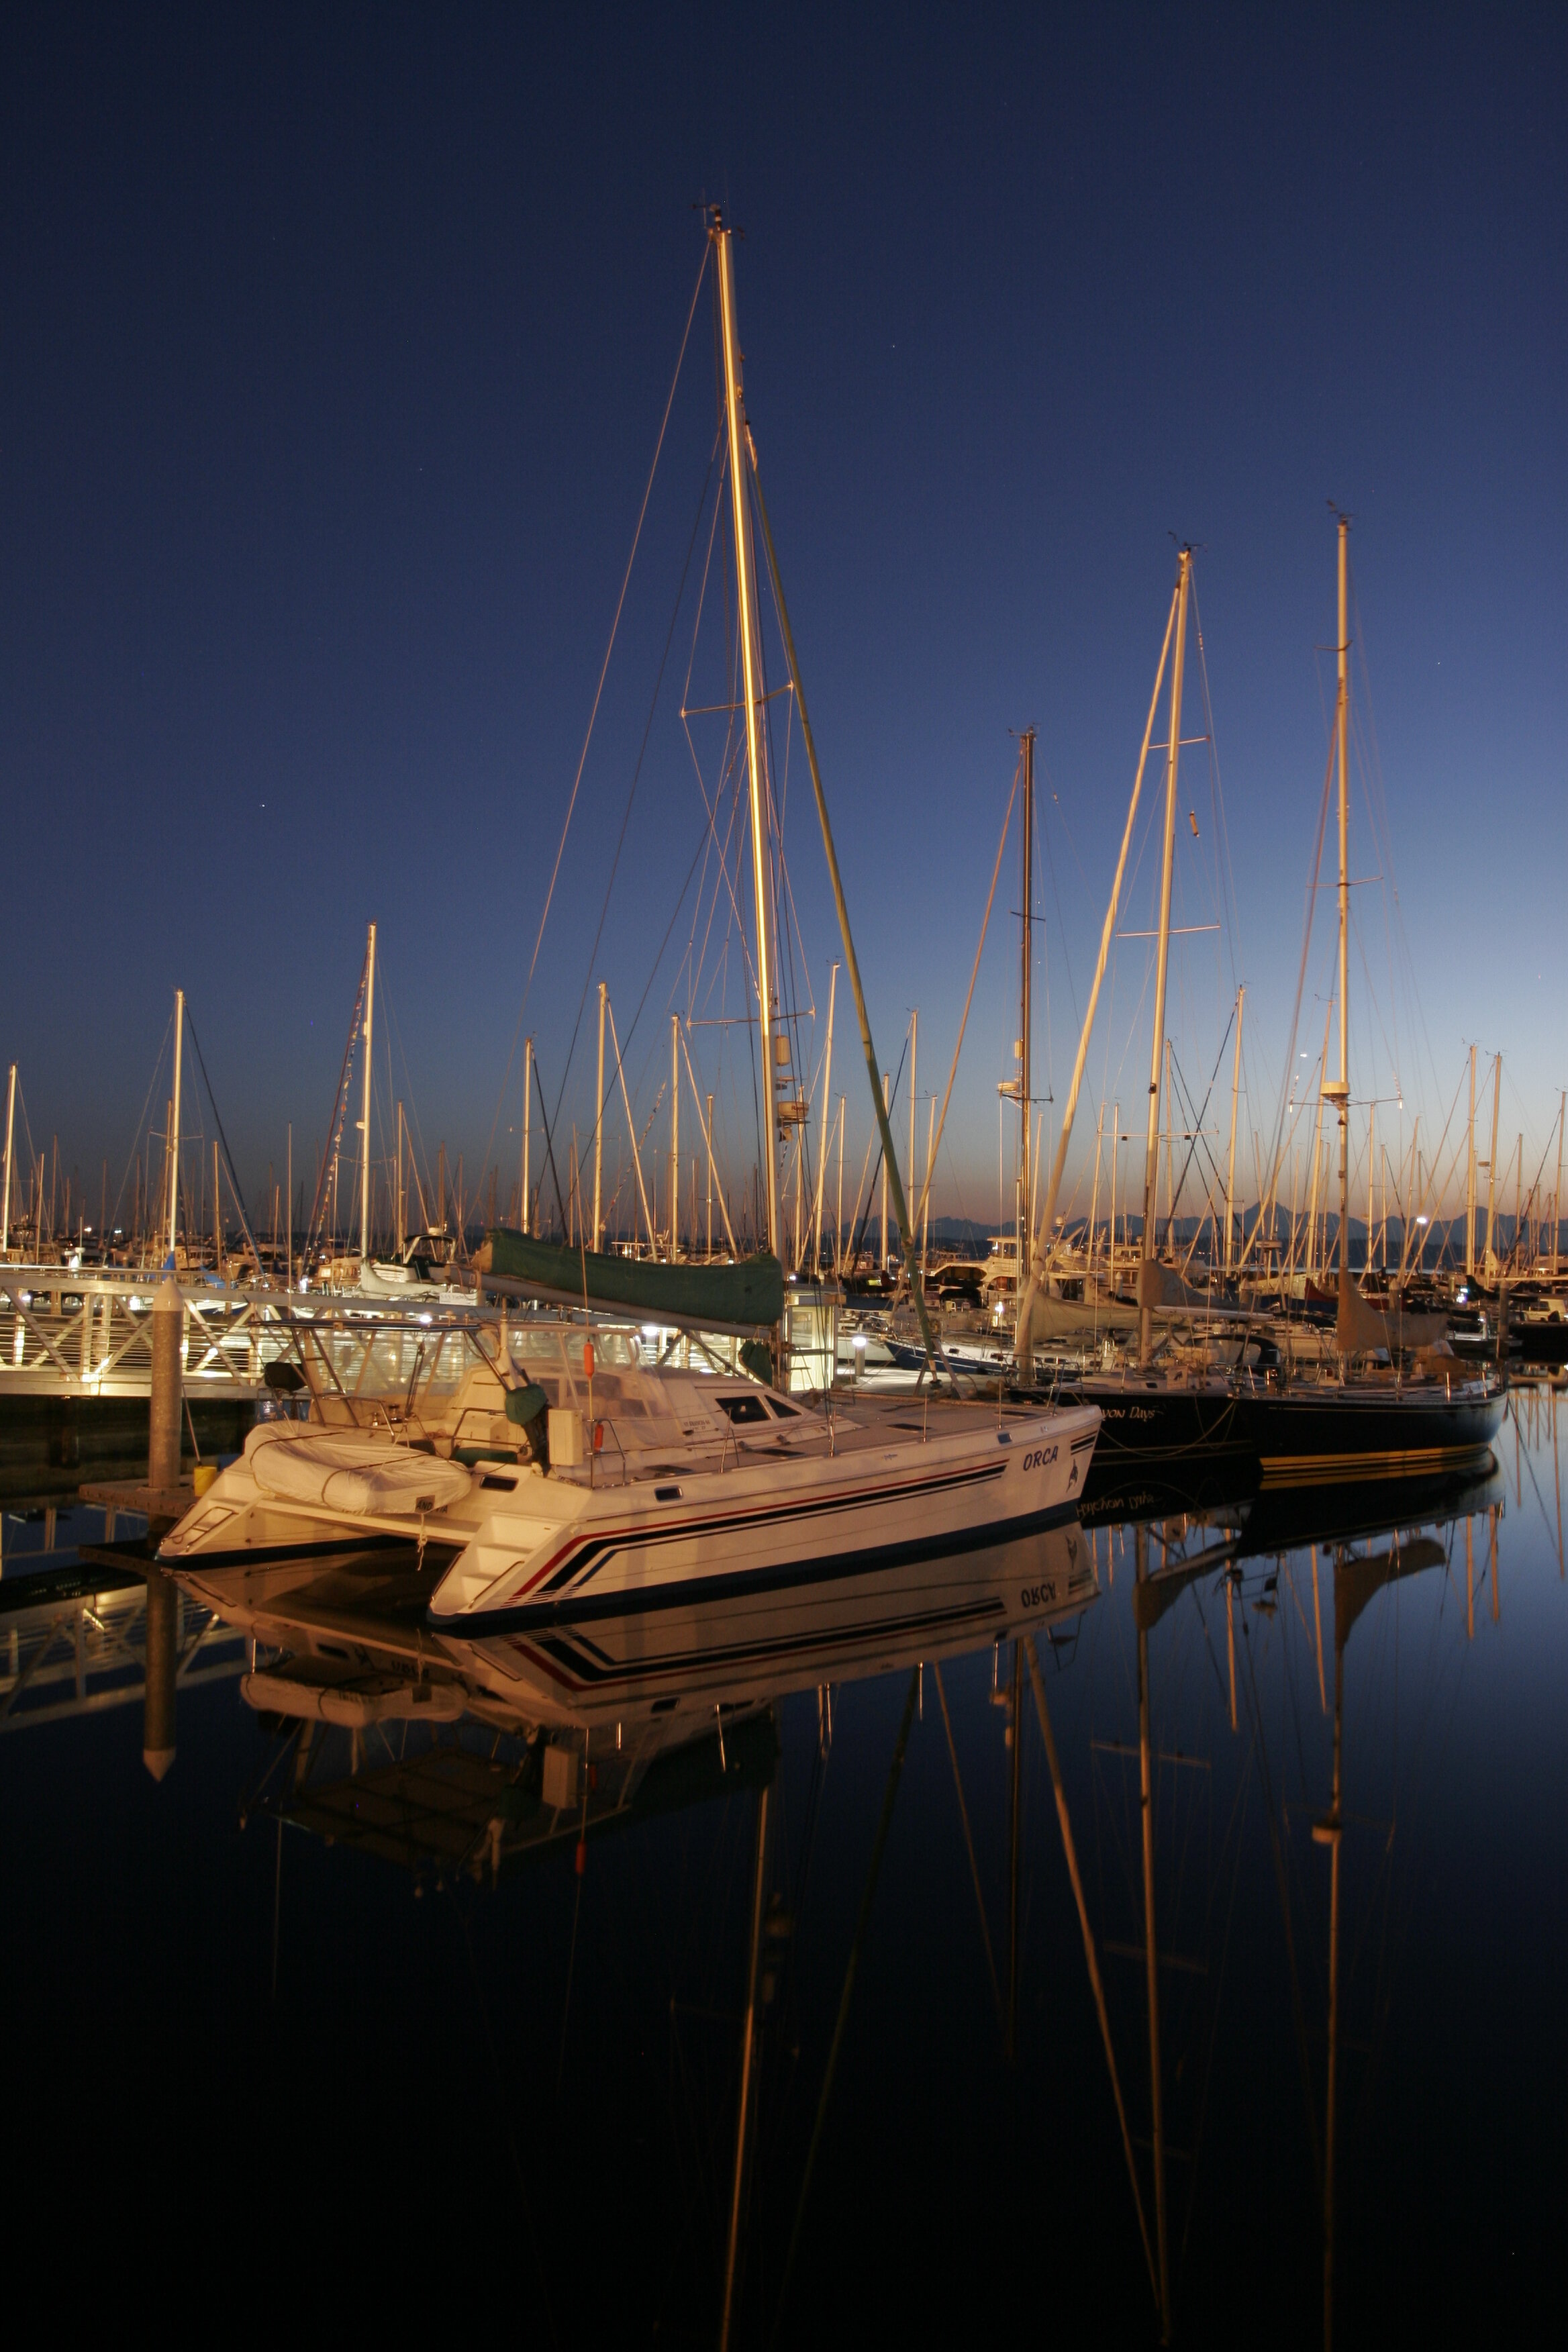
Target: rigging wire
x=631 y=796
x=140 y=1124
x=604 y=672
x=218 y=1122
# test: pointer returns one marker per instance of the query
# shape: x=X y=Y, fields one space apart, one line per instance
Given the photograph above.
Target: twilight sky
x=333 y=349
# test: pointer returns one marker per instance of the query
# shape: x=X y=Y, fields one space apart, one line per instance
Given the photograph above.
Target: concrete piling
x=167 y=1394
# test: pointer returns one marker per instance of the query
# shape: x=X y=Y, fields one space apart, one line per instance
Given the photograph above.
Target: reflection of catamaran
x=345 y=1647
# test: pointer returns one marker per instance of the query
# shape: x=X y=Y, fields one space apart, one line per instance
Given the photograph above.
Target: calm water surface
x=283 y=2080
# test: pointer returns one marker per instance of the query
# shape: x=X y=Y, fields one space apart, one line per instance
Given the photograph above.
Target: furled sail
x=744 y=1295
x=1360 y=1328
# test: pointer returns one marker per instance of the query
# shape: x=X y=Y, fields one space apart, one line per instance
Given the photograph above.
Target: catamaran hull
x=639 y=1549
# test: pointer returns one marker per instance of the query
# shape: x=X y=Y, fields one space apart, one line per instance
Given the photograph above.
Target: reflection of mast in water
x=1356 y=1580
x=1151 y=1958
x=746 y=2104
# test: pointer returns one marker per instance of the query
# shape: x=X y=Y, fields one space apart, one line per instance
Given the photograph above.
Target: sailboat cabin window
x=742 y=1409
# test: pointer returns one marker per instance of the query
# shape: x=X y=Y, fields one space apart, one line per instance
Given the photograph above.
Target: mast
x=886 y=1107
x=527 y=1108
x=1491 y=1165
x=1094 y=1192
x=174 y=1116
x=365 y=1121
x=598 y=1123
x=826 y=1109
x=402 y=1217
x=1471 y=1181
x=1151 y=1148
x=10 y=1137
x=751 y=664
x=1234 y=1099
x=1022 y=1343
x=1025 y=1236
x=914 y=1073
x=1339 y=1094
x=673 y=1146
x=1556 y=1197
x=1336 y=1090
x=1115 y=1147
x=1370 y=1164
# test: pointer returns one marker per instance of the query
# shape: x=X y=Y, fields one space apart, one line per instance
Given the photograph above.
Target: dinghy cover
x=349 y=1473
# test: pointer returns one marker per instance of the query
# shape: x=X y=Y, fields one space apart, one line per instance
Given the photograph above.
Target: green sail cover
x=741 y=1296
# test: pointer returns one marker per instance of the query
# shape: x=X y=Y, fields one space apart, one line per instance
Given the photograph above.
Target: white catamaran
x=569 y=1474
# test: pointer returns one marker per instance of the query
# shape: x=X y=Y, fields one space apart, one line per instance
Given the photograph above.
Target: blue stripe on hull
x=781 y=1576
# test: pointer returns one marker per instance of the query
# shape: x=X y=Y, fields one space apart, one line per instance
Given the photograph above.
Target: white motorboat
x=629 y=1486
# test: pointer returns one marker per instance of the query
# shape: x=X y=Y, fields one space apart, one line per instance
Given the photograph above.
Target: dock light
x=427 y=1320
x=860 y=1341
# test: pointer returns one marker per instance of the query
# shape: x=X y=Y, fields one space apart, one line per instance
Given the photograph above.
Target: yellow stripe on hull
x=1346 y=1469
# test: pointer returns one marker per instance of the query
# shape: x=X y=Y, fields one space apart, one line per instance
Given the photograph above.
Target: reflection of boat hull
x=1285 y=1519
x=1543 y=1341
x=864 y=1622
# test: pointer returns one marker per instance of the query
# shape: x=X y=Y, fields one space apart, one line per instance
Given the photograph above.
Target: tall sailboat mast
x=1025 y=1236
x=10 y=1137
x=751 y=670
x=365 y=1121
x=1023 y=1343
x=175 y=1116
x=1157 y=1054
x=1338 y=1091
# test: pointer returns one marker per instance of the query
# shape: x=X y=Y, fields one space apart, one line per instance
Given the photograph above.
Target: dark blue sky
x=333 y=352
